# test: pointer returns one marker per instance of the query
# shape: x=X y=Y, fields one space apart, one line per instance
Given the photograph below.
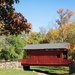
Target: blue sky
x=42 y=13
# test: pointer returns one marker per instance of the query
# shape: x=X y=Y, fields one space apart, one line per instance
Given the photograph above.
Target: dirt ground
x=42 y=74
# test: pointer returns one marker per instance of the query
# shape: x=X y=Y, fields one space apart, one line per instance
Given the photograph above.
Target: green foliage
x=52 y=36
x=33 y=38
x=13 y=48
x=73 y=74
x=56 y=70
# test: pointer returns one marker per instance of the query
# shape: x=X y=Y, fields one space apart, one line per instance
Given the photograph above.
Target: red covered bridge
x=55 y=54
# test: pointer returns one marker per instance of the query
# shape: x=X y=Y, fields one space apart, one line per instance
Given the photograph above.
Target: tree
x=52 y=36
x=33 y=38
x=11 y=21
x=43 y=35
x=8 y=2
x=64 y=19
x=12 y=48
x=2 y=42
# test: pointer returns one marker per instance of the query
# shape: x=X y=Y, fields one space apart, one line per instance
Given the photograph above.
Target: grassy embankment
x=47 y=70
x=16 y=72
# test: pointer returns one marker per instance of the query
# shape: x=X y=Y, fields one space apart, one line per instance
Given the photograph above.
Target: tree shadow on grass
x=48 y=73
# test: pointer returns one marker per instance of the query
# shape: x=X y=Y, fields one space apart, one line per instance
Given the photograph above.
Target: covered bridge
x=55 y=54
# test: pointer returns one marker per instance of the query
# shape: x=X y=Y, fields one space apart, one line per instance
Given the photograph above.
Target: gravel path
x=39 y=73
x=42 y=74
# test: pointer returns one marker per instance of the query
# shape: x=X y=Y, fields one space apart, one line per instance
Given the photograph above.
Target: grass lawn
x=44 y=69
x=16 y=72
x=49 y=69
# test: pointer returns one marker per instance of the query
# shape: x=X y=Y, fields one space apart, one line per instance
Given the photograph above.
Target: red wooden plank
x=46 y=58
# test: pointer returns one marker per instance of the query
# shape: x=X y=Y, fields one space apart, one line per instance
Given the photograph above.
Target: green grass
x=45 y=69
x=16 y=72
x=73 y=74
x=49 y=69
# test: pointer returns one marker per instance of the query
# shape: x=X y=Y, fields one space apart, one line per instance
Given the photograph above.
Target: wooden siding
x=45 y=57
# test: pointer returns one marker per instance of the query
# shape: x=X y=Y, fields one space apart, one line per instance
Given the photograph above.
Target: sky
x=42 y=13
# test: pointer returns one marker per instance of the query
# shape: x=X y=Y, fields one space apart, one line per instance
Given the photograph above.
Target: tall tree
x=64 y=16
x=64 y=19
x=11 y=21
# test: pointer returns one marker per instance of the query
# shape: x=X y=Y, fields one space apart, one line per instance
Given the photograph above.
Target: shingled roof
x=47 y=46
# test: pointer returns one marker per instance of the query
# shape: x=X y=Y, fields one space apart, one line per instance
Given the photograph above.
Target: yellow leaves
x=74 y=47
x=57 y=33
x=53 y=33
x=64 y=27
x=28 y=25
x=1 y=26
x=65 y=33
x=31 y=37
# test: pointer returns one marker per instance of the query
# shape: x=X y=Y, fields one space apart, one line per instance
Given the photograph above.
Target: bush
x=12 y=48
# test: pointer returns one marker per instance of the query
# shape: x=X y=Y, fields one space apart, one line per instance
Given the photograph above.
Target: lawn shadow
x=48 y=73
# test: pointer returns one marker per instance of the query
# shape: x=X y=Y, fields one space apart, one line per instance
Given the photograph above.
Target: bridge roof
x=48 y=46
